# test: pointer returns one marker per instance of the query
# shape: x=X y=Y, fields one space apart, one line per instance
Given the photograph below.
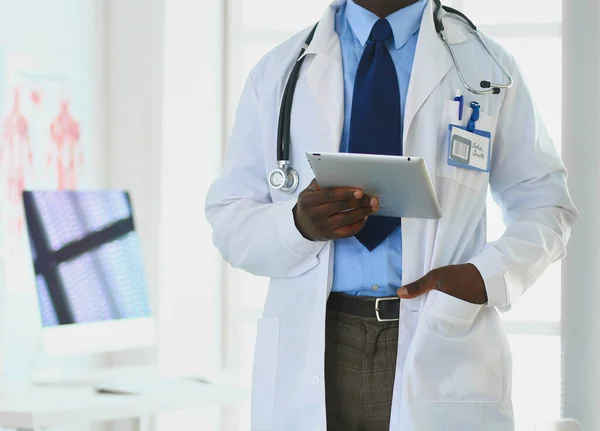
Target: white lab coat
x=454 y=365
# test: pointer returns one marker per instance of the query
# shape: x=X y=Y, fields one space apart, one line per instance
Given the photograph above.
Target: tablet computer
x=402 y=184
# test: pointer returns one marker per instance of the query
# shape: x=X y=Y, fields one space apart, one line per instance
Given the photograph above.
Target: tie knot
x=381 y=31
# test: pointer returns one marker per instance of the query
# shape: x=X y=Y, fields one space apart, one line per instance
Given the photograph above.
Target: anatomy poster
x=42 y=135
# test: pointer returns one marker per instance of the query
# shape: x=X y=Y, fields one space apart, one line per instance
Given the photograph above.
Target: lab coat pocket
x=454 y=358
x=265 y=373
x=470 y=178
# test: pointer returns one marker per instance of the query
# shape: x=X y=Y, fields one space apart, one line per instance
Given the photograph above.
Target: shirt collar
x=404 y=22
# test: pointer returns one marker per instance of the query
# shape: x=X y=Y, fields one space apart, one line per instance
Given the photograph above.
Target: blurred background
x=141 y=95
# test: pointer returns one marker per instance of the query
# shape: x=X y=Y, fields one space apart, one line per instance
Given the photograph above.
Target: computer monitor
x=89 y=272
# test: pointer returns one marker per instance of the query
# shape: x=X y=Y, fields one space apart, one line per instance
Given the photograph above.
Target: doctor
x=372 y=323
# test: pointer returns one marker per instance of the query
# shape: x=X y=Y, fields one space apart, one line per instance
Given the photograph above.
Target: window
x=533 y=35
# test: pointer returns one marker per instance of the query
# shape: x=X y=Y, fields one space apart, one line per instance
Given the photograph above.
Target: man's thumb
x=415 y=289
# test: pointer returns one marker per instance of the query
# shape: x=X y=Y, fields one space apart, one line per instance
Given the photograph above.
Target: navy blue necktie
x=375 y=123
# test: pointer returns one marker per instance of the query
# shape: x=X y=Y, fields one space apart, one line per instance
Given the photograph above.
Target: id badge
x=469 y=150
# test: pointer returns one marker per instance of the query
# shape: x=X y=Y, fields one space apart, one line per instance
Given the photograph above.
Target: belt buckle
x=377 y=301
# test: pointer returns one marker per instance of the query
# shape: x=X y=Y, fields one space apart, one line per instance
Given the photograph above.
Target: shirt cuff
x=493 y=277
x=290 y=235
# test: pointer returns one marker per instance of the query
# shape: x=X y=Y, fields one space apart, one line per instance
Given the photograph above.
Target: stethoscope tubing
x=288 y=173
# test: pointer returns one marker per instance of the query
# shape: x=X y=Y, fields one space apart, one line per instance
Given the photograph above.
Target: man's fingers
x=333 y=208
x=314 y=186
x=323 y=197
x=411 y=290
x=333 y=213
x=349 y=230
x=349 y=217
x=418 y=288
x=331 y=195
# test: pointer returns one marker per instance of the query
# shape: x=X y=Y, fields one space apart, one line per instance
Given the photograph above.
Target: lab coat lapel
x=431 y=64
x=324 y=74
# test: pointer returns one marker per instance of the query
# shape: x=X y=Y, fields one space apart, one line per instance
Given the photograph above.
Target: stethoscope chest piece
x=284 y=178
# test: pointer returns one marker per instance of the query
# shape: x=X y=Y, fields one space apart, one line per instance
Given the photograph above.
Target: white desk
x=42 y=407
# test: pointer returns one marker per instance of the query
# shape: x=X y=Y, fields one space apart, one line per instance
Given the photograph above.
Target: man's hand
x=321 y=215
x=461 y=281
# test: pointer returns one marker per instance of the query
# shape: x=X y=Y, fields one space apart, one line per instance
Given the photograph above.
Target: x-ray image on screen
x=86 y=256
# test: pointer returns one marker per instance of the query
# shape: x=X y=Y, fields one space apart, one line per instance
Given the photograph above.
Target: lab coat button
x=316 y=380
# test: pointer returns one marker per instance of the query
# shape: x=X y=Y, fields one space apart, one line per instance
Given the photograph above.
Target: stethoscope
x=285 y=177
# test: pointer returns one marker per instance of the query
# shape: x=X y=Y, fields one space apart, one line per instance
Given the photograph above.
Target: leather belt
x=384 y=309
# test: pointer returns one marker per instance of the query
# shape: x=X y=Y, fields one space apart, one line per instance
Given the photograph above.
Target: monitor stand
x=56 y=371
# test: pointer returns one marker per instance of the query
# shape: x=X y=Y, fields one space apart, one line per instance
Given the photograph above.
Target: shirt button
x=375 y=287
x=316 y=380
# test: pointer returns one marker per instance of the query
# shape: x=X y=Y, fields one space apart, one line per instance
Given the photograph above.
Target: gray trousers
x=360 y=365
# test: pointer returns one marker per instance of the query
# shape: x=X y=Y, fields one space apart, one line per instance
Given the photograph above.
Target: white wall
x=581 y=279
x=134 y=126
x=65 y=29
x=191 y=288
x=70 y=29
x=134 y=123
x=164 y=145
x=157 y=132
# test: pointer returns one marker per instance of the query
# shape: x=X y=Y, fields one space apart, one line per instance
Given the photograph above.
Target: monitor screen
x=86 y=256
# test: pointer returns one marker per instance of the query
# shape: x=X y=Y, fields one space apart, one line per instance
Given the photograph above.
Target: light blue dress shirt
x=357 y=271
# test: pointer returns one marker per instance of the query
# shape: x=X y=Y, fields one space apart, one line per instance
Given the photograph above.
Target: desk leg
x=144 y=423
